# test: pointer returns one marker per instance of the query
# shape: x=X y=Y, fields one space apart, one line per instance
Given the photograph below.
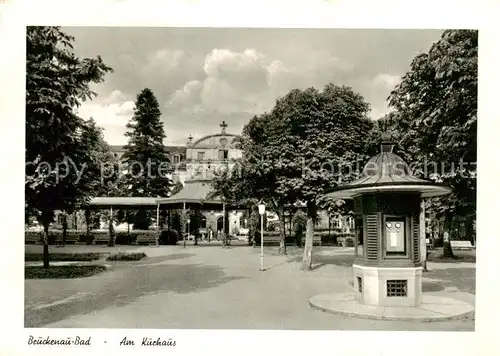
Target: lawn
x=59 y=272
x=64 y=257
x=460 y=256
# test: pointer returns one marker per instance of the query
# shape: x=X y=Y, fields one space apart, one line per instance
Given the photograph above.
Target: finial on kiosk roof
x=387 y=142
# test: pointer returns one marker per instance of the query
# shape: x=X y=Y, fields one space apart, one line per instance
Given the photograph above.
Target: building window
x=60 y=219
x=176 y=159
x=201 y=156
x=360 y=284
x=223 y=154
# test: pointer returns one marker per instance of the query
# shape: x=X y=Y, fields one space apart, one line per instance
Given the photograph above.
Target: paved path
x=210 y=287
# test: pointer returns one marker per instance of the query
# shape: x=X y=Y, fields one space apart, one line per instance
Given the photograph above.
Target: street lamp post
x=262 y=210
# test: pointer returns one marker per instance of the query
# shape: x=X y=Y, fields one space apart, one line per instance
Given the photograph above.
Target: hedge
x=80 y=236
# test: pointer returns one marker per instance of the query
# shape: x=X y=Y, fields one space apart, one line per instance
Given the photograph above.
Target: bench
x=33 y=238
x=146 y=239
x=461 y=245
x=270 y=240
x=101 y=239
x=71 y=239
x=316 y=240
x=345 y=241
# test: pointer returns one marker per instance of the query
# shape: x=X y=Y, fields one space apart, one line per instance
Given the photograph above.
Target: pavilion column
x=183 y=223
x=111 y=228
x=423 y=244
x=225 y=224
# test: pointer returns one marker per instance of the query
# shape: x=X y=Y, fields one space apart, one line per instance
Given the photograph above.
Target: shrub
x=126 y=256
x=438 y=242
x=169 y=237
x=124 y=238
x=272 y=226
x=270 y=237
x=329 y=240
x=38 y=272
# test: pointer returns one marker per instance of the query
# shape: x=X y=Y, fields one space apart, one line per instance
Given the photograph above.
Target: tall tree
x=436 y=120
x=320 y=142
x=57 y=140
x=148 y=164
x=253 y=178
x=309 y=141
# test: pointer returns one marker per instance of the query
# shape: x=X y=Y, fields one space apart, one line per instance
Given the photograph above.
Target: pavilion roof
x=387 y=172
x=193 y=192
x=123 y=202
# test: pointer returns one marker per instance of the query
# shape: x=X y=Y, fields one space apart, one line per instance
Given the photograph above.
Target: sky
x=202 y=76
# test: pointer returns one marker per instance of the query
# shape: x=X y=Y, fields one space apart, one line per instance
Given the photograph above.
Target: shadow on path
x=154 y=259
x=464 y=279
x=125 y=285
x=342 y=260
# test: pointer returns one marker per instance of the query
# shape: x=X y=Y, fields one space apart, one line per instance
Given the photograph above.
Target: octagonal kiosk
x=387 y=267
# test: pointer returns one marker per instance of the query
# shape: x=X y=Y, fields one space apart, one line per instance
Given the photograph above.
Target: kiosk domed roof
x=387 y=172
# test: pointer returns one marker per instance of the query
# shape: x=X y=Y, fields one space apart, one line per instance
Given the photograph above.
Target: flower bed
x=126 y=256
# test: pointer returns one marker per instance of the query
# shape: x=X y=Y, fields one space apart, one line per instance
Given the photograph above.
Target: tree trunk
x=87 y=221
x=183 y=225
x=45 y=244
x=111 y=230
x=308 y=246
x=64 y=228
x=447 y=251
x=251 y=226
x=469 y=228
x=329 y=227
x=281 y=217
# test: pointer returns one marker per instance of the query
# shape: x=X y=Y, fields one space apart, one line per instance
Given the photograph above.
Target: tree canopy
x=309 y=141
x=436 y=117
x=145 y=154
x=59 y=144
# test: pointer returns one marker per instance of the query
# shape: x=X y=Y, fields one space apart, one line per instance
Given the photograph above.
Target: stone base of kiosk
x=383 y=286
x=432 y=308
